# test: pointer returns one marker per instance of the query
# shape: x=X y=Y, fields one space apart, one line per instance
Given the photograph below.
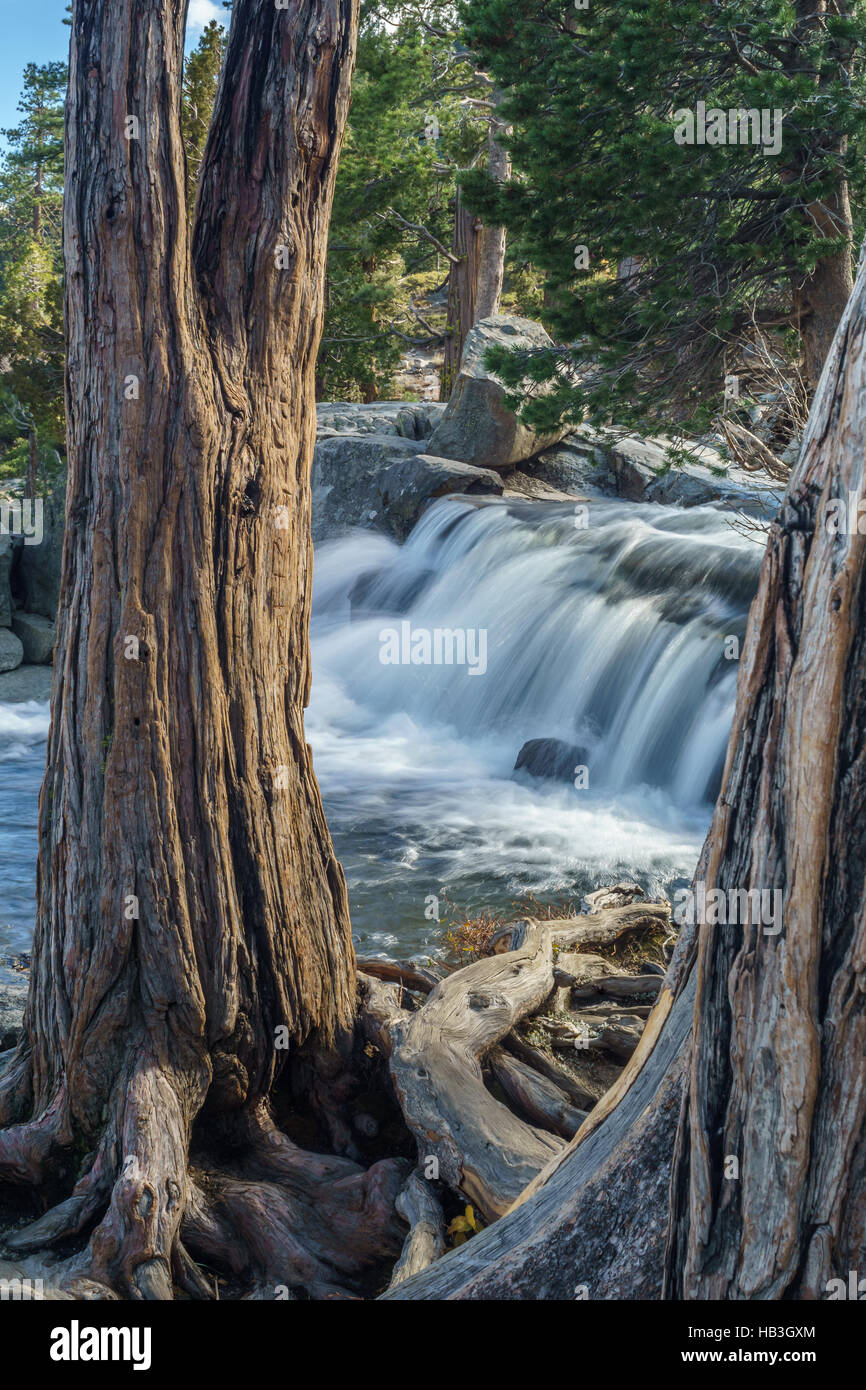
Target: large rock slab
x=577 y=467
x=383 y=483
x=37 y=636
x=408 y=419
x=25 y=683
x=39 y=566
x=11 y=650
x=477 y=427
x=6 y=555
x=611 y=464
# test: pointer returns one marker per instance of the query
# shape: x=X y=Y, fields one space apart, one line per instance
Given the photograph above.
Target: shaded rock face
x=477 y=427
x=11 y=650
x=37 y=636
x=39 y=566
x=6 y=556
x=383 y=483
x=577 y=467
x=550 y=758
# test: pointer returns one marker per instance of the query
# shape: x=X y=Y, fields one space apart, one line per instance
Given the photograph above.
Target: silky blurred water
x=610 y=636
x=23 y=731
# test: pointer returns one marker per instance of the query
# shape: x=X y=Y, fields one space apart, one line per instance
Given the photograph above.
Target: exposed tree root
x=292 y=1220
x=483 y=1150
x=270 y=1219
x=425 y=1243
x=271 y=1215
x=26 y=1150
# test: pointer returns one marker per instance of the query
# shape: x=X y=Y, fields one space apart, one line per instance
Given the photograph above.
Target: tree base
x=229 y=1206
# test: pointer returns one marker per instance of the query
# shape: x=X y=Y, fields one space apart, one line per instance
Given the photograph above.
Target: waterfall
x=604 y=627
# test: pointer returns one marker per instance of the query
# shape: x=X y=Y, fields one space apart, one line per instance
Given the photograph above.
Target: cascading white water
x=609 y=636
x=23 y=730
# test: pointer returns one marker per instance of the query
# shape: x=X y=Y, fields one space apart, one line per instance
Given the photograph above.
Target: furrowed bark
x=770 y=1077
x=491 y=268
x=780 y=1015
x=462 y=290
x=189 y=899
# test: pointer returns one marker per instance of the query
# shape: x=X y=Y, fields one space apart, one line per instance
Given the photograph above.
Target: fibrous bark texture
x=729 y=1159
x=190 y=903
x=777 y=1082
x=491 y=267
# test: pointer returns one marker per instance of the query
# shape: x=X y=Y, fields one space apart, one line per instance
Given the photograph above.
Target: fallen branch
x=419 y=1205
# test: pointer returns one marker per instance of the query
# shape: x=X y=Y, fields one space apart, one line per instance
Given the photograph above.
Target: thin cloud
x=201 y=12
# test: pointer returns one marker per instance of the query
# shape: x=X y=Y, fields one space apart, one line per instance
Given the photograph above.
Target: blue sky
x=33 y=32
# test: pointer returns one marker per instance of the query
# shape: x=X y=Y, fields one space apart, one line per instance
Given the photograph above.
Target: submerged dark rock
x=551 y=758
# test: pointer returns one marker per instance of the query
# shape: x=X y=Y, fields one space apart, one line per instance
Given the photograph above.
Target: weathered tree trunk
x=729 y=1160
x=776 y=1080
x=491 y=269
x=190 y=904
x=462 y=290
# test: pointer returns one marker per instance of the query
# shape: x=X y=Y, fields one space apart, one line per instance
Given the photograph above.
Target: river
x=607 y=630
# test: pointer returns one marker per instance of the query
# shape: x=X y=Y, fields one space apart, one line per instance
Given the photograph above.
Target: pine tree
x=200 y=81
x=31 y=270
x=410 y=129
x=723 y=239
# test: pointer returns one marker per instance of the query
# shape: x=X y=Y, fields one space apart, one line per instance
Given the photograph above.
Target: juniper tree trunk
x=729 y=1159
x=769 y=1187
x=190 y=903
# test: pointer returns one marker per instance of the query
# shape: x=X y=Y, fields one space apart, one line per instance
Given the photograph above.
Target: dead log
x=540 y=1100
x=622 y=1035
x=624 y=986
x=579 y=1226
x=582 y=972
x=483 y=1150
x=604 y=1008
x=379 y=1009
